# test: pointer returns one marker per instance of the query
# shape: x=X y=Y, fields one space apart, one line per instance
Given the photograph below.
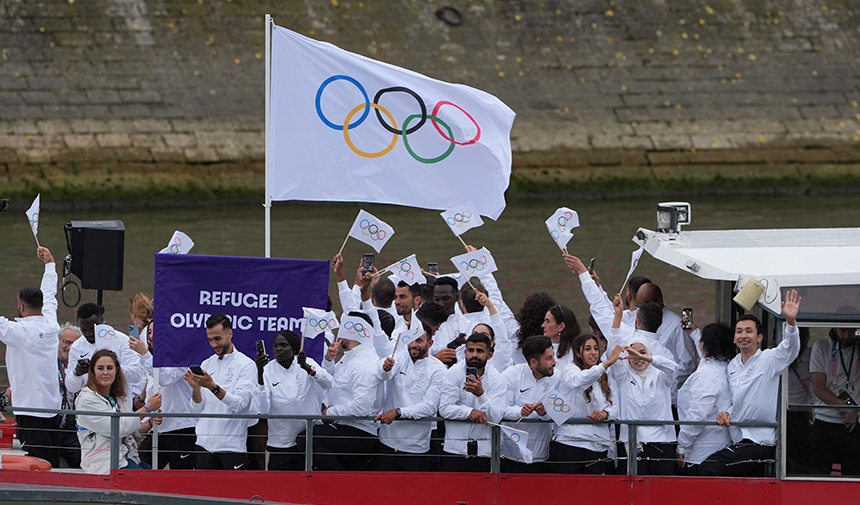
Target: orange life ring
x=26 y=463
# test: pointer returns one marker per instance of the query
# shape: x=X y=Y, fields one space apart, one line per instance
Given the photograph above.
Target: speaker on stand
x=97 y=251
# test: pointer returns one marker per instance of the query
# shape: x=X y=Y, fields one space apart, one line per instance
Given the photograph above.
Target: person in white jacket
x=292 y=384
x=106 y=392
x=703 y=396
x=583 y=448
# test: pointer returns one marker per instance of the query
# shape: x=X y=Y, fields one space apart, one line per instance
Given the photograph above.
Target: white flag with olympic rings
x=371 y=230
x=355 y=328
x=515 y=444
x=557 y=407
x=462 y=219
x=408 y=270
x=317 y=321
x=180 y=243
x=475 y=264
x=561 y=225
x=33 y=214
x=109 y=338
x=414 y=332
x=345 y=127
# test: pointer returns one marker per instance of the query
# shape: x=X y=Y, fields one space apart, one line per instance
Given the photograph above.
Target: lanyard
x=793 y=368
x=836 y=347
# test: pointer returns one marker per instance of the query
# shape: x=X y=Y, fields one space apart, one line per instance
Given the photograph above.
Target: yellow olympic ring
x=352 y=146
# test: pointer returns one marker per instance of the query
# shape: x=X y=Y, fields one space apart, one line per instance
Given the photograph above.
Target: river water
x=527 y=258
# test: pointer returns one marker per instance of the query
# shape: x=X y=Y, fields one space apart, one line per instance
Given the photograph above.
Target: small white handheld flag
x=109 y=338
x=415 y=331
x=33 y=216
x=561 y=225
x=634 y=262
x=180 y=243
x=515 y=444
x=558 y=407
x=355 y=328
x=317 y=321
x=371 y=230
x=408 y=270
x=475 y=264
x=462 y=220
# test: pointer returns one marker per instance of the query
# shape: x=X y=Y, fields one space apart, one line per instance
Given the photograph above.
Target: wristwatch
x=398 y=413
x=216 y=390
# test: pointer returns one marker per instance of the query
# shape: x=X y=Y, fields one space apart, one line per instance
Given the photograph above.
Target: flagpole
x=267 y=205
x=37 y=240
x=302 y=345
x=461 y=241
x=344 y=243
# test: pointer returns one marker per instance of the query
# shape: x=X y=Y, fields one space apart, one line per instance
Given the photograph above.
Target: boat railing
x=309 y=420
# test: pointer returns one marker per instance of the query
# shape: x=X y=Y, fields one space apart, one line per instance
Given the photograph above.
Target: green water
x=527 y=258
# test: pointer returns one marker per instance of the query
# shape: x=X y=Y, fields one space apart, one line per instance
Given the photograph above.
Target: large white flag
x=345 y=127
x=475 y=264
x=371 y=230
x=408 y=270
x=515 y=444
x=561 y=225
x=33 y=214
x=180 y=243
x=462 y=219
x=317 y=321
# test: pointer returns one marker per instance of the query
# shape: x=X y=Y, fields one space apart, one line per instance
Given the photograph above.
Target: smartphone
x=471 y=372
x=845 y=397
x=134 y=331
x=686 y=318
x=433 y=268
x=261 y=347
x=367 y=263
x=591 y=266
x=196 y=370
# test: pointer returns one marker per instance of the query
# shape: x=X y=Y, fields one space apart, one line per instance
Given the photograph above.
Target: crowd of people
x=476 y=364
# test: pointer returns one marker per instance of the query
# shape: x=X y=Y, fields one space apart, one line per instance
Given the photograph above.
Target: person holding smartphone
x=835 y=372
x=473 y=394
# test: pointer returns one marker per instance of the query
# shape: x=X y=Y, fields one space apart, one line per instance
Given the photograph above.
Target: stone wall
x=171 y=87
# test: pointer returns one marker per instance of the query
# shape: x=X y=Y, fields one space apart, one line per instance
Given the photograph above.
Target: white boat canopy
x=823 y=263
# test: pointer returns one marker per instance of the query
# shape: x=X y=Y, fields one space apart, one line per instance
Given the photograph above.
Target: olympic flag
x=475 y=264
x=462 y=220
x=560 y=226
x=33 y=216
x=355 y=328
x=557 y=407
x=344 y=127
x=515 y=444
x=109 y=338
x=317 y=321
x=408 y=270
x=371 y=230
x=180 y=243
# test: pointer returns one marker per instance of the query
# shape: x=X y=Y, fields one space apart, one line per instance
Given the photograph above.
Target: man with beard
x=406 y=299
x=525 y=390
x=31 y=362
x=414 y=381
x=473 y=395
x=225 y=388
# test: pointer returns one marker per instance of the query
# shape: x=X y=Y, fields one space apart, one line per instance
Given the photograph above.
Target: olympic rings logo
x=105 y=334
x=563 y=219
x=176 y=246
x=405 y=270
x=459 y=219
x=356 y=328
x=321 y=325
x=558 y=404
x=34 y=221
x=514 y=437
x=474 y=265
x=367 y=228
x=404 y=130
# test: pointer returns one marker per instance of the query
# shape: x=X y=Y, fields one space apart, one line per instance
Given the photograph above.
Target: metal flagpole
x=268 y=200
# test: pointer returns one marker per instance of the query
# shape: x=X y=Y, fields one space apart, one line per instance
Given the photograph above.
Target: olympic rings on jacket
x=391 y=124
x=372 y=230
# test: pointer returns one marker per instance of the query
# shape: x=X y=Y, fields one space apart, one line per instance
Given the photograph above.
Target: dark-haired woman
x=703 y=396
x=292 y=384
x=531 y=317
x=582 y=448
x=106 y=392
x=561 y=326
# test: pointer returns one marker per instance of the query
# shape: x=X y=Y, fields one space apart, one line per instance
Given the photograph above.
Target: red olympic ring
x=436 y=110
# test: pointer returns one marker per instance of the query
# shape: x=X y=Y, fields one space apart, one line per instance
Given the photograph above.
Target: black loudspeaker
x=97 y=249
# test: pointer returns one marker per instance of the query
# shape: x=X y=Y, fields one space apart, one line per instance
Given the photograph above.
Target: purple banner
x=262 y=296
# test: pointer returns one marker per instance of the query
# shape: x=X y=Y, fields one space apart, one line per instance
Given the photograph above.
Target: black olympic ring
x=420 y=100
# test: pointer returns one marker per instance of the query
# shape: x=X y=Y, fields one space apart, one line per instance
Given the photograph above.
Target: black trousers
x=569 y=459
x=40 y=437
x=70 y=448
x=656 y=459
x=174 y=447
x=290 y=459
x=206 y=460
x=798 y=449
x=392 y=460
x=744 y=459
x=460 y=463
x=834 y=444
x=339 y=447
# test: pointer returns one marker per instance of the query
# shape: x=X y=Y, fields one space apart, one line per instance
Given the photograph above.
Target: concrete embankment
x=125 y=99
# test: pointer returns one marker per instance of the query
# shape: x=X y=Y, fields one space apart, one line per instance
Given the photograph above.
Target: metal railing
x=495 y=437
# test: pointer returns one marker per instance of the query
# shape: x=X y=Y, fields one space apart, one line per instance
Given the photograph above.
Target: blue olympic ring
x=357 y=85
x=515 y=437
x=106 y=334
x=371 y=229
